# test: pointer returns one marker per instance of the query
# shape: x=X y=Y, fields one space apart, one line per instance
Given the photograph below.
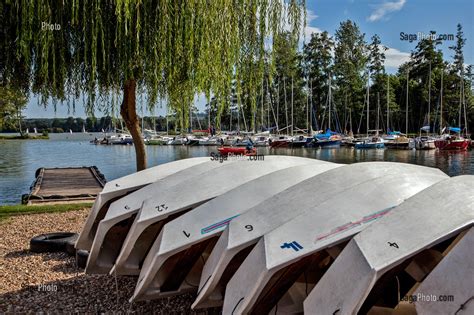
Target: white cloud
x=383 y=9
x=308 y=30
x=394 y=57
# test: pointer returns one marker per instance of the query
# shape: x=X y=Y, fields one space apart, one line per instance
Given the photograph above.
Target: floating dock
x=65 y=185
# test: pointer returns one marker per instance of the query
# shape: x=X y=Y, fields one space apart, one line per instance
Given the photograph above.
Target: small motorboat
x=237 y=151
x=239 y=142
x=452 y=144
x=261 y=141
x=371 y=143
x=401 y=143
x=425 y=143
x=280 y=142
x=178 y=140
x=329 y=139
x=193 y=140
x=300 y=141
x=452 y=141
x=209 y=141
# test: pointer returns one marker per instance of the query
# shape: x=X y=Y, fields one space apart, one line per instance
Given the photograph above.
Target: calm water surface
x=19 y=159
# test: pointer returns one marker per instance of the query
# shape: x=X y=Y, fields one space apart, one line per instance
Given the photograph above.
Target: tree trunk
x=129 y=115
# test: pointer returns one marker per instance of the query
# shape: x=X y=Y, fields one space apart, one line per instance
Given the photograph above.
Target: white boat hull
x=433 y=215
x=120 y=187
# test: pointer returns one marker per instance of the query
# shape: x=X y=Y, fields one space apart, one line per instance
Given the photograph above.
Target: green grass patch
x=11 y=210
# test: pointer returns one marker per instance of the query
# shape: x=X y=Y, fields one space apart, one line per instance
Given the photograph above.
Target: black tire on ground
x=81 y=258
x=50 y=242
x=70 y=245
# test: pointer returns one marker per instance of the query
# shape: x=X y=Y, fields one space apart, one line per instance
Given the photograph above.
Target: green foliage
x=319 y=68
x=12 y=102
x=350 y=66
x=173 y=49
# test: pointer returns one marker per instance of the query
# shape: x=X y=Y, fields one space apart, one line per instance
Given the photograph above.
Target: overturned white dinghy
x=183 y=241
x=289 y=260
x=387 y=261
x=165 y=205
x=124 y=185
x=243 y=232
x=449 y=276
x=149 y=220
x=113 y=228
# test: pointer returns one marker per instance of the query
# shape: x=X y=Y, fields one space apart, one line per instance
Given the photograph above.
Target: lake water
x=19 y=159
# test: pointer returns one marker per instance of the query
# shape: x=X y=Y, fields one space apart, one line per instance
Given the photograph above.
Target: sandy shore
x=51 y=283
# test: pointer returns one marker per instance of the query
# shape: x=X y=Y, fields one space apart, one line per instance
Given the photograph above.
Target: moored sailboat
x=453 y=139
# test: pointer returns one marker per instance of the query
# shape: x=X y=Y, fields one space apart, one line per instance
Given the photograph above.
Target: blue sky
x=387 y=18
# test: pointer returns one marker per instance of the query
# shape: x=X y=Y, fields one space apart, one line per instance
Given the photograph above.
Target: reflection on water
x=20 y=159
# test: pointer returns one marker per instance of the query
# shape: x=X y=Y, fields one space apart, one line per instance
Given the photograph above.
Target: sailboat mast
x=292 y=94
x=429 y=98
x=167 y=131
x=209 y=114
x=286 y=103
x=330 y=98
x=378 y=113
x=278 y=105
x=311 y=106
x=268 y=106
x=350 y=119
x=441 y=106
x=368 y=99
x=263 y=101
x=406 y=108
x=307 y=107
x=388 y=103
x=460 y=104
x=464 y=103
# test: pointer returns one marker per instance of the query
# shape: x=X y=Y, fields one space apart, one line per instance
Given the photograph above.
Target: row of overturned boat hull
x=288 y=235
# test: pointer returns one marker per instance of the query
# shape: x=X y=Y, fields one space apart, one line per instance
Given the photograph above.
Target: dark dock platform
x=65 y=185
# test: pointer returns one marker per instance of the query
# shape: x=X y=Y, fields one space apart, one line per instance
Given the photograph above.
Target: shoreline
x=28 y=137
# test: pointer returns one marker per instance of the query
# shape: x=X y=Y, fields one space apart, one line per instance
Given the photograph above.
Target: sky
x=387 y=18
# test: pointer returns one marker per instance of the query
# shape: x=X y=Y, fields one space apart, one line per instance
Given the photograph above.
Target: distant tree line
x=78 y=124
x=349 y=64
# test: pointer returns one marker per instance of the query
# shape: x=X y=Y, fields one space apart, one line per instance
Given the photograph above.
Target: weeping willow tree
x=173 y=49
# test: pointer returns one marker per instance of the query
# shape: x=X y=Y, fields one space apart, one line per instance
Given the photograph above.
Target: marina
x=20 y=158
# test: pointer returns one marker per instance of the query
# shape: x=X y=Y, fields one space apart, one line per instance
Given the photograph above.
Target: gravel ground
x=51 y=283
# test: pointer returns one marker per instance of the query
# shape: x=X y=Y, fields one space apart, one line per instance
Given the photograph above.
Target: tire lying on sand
x=71 y=245
x=53 y=242
x=81 y=258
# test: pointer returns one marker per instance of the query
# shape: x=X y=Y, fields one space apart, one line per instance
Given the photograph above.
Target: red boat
x=452 y=143
x=280 y=142
x=236 y=151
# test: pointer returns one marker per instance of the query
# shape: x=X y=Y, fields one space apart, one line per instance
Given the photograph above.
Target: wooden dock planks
x=66 y=185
